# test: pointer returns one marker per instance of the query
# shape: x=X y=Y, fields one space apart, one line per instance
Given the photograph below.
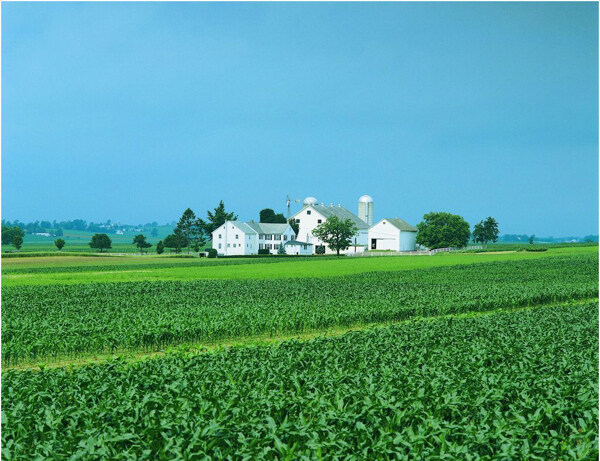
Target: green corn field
x=70 y=321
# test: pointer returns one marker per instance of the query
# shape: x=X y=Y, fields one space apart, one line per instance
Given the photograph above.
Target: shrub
x=212 y=253
x=264 y=251
x=320 y=250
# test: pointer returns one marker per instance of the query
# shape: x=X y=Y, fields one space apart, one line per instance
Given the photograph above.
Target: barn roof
x=296 y=242
x=342 y=213
x=401 y=224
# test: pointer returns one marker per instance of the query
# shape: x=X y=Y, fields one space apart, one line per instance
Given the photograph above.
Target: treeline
x=78 y=225
x=523 y=238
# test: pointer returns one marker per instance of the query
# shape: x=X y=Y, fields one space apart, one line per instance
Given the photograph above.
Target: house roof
x=296 y=242
x=244 y=227
x=401 y=224
x=339 y=211
x=267 y=228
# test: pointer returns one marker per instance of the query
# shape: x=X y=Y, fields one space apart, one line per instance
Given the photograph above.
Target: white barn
x=312 y=214
x=237 y=238
x=392 y=234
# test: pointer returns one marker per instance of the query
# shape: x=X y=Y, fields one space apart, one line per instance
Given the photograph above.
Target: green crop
x=63 y=321
x=520 y=385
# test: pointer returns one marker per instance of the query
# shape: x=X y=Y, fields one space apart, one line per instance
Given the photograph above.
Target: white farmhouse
x=392 y=234
x=312 y=214
x=236 y=238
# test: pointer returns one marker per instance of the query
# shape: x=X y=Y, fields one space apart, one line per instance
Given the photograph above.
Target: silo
x=365 y=209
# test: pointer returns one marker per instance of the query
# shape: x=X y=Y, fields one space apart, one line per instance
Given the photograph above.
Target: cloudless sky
x=135 y=111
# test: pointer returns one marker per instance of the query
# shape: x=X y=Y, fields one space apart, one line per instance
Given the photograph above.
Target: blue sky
x=135 y=111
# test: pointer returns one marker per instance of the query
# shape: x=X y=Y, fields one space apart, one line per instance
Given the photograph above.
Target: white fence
x=415 y=253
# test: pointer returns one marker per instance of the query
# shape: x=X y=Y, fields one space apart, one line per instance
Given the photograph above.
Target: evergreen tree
x=216 y=219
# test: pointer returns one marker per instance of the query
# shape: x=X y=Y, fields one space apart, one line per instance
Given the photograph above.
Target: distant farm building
x=397 y=236
x=312 y=214
x=237 y=238
x=392 y=234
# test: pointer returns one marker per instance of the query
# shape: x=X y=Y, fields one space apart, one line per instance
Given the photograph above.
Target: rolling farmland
x=465 y=356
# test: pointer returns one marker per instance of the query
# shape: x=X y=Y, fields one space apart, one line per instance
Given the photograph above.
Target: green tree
x=176 y=240
x=8 y=233
x=294 y=225
x=337 y=234
x=216 y=219
x=60 y=243
x=281 y=250
x=140 y=242
x=59 y=232
x=17 y=241
x=442 y=230
x=491 y=229
x=531 y=239
x=160 y=247
x=100 y=242
x=154 y=232
x=479 y=233
x=486 y=231
x=191 y=228
x=267 y=215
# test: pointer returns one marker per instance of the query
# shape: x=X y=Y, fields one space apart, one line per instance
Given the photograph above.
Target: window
x=261 y=246
x=237 y=236
x=285 y=237
x=219 y=235
x=307 y=211
x=276 y=246
x=277 y=237
x=297 y=221
x=228 y=245
x=219 y=246
x=305 y=246
x=319 y=221
x=269 y=236
x=234 y=245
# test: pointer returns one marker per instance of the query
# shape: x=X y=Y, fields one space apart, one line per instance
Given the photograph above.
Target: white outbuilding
x=392 y=234
x=293 y=247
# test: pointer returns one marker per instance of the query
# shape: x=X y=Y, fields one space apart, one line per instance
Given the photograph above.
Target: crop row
x=520 y=385
x=59 y=321
x=166 y=263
